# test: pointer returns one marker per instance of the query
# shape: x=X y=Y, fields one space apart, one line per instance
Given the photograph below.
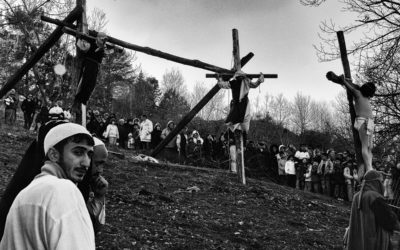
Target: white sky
x=280 y=33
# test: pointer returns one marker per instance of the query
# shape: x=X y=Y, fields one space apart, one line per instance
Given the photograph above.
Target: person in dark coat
x=28 y=106
x=123 y=134
x=93 y=125
x=371 y=220
x=156 y=135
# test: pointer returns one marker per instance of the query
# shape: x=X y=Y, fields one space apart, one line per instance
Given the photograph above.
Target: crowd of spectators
x=326 y=172
x=331 y=173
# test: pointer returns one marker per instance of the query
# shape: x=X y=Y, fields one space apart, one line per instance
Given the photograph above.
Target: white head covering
x=61 y=132
x=97 y=141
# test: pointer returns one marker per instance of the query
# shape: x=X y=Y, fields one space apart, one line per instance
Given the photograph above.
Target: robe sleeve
x=384 y=216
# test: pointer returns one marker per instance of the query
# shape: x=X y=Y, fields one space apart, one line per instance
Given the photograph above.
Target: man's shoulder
x=52 y=193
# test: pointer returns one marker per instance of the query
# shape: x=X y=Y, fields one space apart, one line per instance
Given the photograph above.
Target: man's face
x=75 y=160
x=99 y=158
x=171 y=125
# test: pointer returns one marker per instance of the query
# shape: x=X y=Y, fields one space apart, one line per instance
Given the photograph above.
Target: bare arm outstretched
x=354 y=89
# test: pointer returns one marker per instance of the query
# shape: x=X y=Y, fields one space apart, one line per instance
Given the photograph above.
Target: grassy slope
x=149 y=208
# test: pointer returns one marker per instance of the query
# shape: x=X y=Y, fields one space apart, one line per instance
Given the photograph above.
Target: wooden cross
x=347 y=74
x=239 y=142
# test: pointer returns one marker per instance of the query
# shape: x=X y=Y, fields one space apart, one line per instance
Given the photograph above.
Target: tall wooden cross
x=239 y=142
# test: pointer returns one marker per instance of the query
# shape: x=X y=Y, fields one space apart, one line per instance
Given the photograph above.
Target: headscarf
x=372 y=182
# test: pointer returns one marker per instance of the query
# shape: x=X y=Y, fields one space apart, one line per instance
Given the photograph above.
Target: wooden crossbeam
x=153 y=52
x=74 y=27
x=248 y=75
x=46 y=46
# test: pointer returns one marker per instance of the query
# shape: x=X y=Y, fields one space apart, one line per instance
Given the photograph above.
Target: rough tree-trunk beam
x=153 y=52
x=347 y=74
x=238 y=133
x=73 y=26
x=189 y=116
x=248 y=75
x=46 y=46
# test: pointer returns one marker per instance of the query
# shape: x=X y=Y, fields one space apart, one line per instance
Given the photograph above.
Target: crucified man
x=364 y=122
x=239 y=113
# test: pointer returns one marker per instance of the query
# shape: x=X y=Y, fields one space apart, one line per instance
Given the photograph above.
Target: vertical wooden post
x=347 y=74
x=82 y=27
x=238 y=133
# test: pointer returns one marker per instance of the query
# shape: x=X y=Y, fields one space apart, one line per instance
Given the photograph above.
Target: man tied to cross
x=364 y=122
x=239 y=113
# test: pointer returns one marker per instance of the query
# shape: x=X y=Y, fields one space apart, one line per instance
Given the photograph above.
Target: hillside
x=158 y=207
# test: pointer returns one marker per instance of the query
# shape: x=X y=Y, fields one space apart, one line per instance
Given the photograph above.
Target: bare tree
x=97 y=20
x=280 y=110
x=320 y=116
x=215 y=108
x=173 y=79
x=301 y=112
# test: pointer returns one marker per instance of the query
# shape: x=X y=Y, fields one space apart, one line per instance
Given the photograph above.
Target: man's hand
x=100 y=186
x=334 y=78
x=261 y=78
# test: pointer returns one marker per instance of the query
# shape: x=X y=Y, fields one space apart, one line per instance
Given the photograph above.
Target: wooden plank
x=190 y=62
x=248 y=75
x=236 y=51
x=192 y=113
x=347 y=74
x=74 y=27
x=46 y=46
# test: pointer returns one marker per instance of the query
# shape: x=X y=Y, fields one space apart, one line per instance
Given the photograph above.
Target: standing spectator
x=94 y=126
x=11 y=104
x=281 y=168
x=28 y=106
x=38 y=106
x=307 y=177
x=349 y=179
x=131 y=141
x=146 y=127
x=209 y=147
x=111 y=133
x=136 y=136
x=130 y=125
x=181 y=143
x=290 y=171
x=170 y=150
x=315 y=177
x=123 y=133
x=325 y=170
x=43 y=116
x=272 y=161
x=230 y=139
x=156 y=135
x=317 y=155
x=337 y=180
x=197 y=138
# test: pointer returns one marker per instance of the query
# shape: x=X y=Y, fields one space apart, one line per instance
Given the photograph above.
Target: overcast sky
x=280 y=33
